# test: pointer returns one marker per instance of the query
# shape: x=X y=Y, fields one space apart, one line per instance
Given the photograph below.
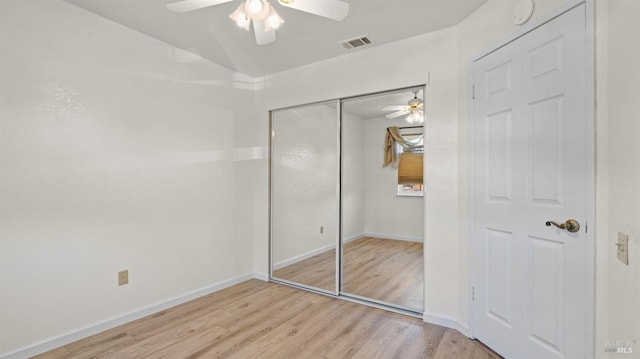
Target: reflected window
x=410 y=179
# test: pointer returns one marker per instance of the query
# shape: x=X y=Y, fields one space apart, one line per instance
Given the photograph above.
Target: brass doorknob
x=570 y=225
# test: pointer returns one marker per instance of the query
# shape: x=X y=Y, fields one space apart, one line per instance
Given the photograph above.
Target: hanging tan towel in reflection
x=390 y=146
x=390 y=139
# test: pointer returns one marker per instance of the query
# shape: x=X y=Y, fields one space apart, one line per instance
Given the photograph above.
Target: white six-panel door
x=530 y=153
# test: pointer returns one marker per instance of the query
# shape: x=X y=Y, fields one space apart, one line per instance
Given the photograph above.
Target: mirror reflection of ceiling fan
x=413 y=110
x=264 y=17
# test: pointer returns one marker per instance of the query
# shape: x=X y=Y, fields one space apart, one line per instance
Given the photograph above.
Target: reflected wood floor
x=383 y=269
x=257 y=319
x=318 y=271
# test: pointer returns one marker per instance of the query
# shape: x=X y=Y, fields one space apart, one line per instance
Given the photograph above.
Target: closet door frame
x=337 y=293
x=354 y=297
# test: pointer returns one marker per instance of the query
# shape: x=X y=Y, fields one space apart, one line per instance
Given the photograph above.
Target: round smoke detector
x=522 y=12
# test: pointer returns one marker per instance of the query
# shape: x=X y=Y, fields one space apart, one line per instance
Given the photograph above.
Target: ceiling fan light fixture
x=415 y=103
x=263 y=16
x=415 y=117
x=257 y=10
x=240 y=17
x=254 y=7
x=273 y=20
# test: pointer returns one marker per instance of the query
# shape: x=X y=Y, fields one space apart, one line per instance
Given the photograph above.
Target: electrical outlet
x=623 y=248
x=123 y=277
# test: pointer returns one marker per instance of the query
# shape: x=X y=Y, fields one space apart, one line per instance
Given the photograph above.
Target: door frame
x=591 y=157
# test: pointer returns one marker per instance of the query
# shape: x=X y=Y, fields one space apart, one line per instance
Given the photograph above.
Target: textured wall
x=618 y=175
x=116 y=152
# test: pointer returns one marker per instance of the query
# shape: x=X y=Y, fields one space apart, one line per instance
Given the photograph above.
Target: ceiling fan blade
x=397 y=114
x=332 y=9
x=190 y=5
x=394 y=107
x=263 y=37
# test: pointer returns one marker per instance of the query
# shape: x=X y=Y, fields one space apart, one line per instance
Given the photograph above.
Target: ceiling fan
x=413 y=110
x=263 y=16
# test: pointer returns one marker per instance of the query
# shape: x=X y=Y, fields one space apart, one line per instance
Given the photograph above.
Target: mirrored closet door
x=304 y=195
x=347 y=209
x=382 y=208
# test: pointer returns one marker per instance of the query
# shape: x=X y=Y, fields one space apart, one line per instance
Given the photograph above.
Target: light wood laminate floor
x=383 y=269
x=257 y=319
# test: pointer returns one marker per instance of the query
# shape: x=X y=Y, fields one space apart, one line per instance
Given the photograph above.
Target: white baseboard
x=353 y=238
x=261 y=276
x=446 y=321
x=303 y=256
x=329 y=247
x=81 y=333
x=465 y=330
x=312 y=253
x=391 y=236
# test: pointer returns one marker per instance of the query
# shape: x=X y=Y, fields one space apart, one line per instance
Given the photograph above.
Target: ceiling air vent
x=356 y=42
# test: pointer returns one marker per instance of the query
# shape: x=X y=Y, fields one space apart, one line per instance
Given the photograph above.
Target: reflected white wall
x=304 y=185
x=353 y=176
x=386 y=214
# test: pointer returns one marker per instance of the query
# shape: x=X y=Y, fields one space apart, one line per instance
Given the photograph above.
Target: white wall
x=386 y=214
x=353 y=176
x=305 y=175
x=618 y=173
x=116 y=152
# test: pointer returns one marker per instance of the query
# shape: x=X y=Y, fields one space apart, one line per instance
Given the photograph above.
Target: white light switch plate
x=623 y=248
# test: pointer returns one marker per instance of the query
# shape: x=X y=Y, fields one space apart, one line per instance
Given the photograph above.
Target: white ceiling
x=302 y=39
x=370 y=106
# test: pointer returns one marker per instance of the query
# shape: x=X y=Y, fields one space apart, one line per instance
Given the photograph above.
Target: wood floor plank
x=355 y=334
x=100 y=346
x=482 y=352
x=386 y=340
x=422 y=342
x=61 y=352
x=311 y=333
x=266 y=320
x=252 y=325
x=454 y=345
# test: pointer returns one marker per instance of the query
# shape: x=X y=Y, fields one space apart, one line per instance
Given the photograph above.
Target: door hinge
x=473 y=294
x=586 y=227
x=473 y=92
